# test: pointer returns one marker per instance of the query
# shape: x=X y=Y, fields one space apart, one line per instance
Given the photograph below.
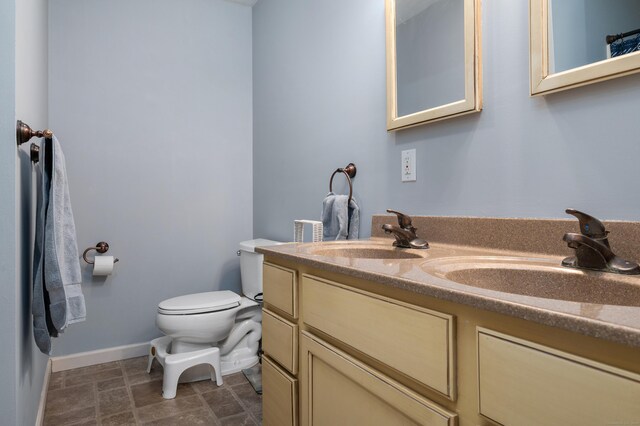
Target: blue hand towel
x=43 y=327
x=340 y=218
x=57 y=294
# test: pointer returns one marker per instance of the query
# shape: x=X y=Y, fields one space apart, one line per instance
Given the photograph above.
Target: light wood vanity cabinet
x=341 y=350
x=280 y=346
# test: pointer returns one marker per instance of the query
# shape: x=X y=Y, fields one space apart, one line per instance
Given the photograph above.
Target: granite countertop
x=601 y=305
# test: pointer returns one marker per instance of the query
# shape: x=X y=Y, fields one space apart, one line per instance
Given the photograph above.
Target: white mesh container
x=298 y=230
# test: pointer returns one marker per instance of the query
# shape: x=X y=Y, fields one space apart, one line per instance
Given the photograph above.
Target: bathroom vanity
x=363 y=333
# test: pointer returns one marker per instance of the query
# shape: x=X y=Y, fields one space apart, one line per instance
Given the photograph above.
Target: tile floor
x=122 y=393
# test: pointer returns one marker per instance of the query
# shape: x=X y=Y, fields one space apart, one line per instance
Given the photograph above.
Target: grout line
x=97 y=398
x=246 y=408
x=127 y=386
x=207 y=406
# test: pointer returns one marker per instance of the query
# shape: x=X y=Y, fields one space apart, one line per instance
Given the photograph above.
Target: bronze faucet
x=405 y=233
x=592 y=248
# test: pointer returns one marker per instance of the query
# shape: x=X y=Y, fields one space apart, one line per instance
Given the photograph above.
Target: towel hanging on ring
x=340 y=217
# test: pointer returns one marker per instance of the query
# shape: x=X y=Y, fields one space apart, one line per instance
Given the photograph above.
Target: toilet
x=216 y=330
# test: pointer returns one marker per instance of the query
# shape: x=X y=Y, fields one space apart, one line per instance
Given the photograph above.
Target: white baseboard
x=84 y=359
x=43 y=395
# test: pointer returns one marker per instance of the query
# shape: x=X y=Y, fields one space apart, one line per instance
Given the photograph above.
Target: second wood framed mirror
x=579 y=42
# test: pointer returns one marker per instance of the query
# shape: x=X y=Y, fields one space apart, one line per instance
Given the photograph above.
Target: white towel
x=62 y=275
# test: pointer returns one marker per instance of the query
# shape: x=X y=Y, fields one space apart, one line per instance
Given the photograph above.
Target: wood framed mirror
x=579 y=42
x=433 y=60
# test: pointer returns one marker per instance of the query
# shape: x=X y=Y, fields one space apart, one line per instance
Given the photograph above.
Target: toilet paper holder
x=101 y=247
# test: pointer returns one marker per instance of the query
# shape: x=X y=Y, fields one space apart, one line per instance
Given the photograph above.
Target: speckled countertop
x=525 y=285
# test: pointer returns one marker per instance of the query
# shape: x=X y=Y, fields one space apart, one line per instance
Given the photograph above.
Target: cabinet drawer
x=523 y=383
x=280 y=340
x=412 y=340
x=279 y=396
x=279 y=287
x=339 y=390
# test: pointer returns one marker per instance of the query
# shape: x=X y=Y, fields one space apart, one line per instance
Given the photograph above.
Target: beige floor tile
x=122 y=419
x=137 y=365
x=223 y=403
x=92 y=369
x=69 y=417
x=86 y=423
x=145 y=377
x=235 y=379
x=243 y=419
x=127 y=395
x=92 y=377
x=168 y=408
x=247 y=394
x=114 y=401
x=250 y=399
x=109 y=384
x=70 y=398
x=56 y=381
x=192 y=418
x=151 y=393
x=205 y=386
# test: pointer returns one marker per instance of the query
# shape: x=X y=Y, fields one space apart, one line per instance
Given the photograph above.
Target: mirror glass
x=429 y=53
x=582 y=32
x=579 y=42
x=433 y=60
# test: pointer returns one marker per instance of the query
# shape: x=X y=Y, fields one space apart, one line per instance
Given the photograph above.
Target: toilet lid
x=199 y=303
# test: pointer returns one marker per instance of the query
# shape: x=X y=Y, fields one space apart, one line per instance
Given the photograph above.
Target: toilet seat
x=199 y=303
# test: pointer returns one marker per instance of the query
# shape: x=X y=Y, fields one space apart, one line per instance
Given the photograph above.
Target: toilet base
x=238 y=360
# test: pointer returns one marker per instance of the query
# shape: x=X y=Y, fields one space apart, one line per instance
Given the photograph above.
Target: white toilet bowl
x=221 y=322
x=219 y=318
x=201 y=318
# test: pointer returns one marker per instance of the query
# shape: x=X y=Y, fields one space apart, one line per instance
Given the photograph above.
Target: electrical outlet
x=408 y=165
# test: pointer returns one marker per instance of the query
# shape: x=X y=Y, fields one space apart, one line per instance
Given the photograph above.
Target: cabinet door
x=279 y=396
x=336 y=389
x=525 y=384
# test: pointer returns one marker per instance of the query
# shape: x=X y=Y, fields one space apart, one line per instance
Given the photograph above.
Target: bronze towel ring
x=349 y=172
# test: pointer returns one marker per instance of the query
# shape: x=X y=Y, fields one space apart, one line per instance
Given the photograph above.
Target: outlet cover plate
x=408 y=165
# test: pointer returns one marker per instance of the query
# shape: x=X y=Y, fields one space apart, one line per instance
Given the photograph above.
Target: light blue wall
x=151 y=100
x=31 y=106
x=23 y=94
x=319 y=103
x=8 y=243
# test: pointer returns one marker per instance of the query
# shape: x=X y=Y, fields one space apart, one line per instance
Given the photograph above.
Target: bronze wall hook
x=24 y=133
x=34 y=153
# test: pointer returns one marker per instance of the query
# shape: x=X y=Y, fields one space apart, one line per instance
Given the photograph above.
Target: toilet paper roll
x=103 y=265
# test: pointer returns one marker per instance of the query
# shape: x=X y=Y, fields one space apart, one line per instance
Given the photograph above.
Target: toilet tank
x=251 y=266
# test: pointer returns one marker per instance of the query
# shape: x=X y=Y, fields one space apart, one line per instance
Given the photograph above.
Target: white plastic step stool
x=175 y=364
